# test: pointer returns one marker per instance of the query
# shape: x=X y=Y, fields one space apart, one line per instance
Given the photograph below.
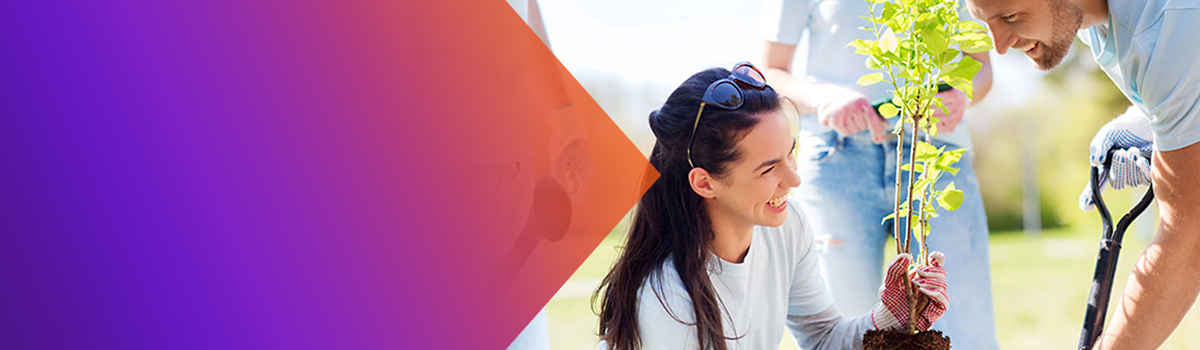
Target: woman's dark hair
x=670 y=221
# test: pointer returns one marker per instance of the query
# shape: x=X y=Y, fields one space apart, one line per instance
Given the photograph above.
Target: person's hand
x=956 y=102
x=1129 y=134
x=848 y=112
x=571 y=163
x=892 y=311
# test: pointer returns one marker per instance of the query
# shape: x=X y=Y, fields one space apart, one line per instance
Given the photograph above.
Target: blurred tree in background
x=1053 y=127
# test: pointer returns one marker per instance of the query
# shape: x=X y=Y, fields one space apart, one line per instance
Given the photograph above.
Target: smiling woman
x=672 y=221
x=717 y=257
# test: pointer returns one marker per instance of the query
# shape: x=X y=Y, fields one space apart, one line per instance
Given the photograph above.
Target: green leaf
x=949 y=158
x=908 y=167
x=872 y=63
x=968 y=38
x=949 y=55
x=888 y=110
x=861 y=46
x=922 y=183
x=937 y=103
x=935 y=42
x=946 y=168
x=961 y=84
x=903 y=212
x=870 y=79
x=950 y=197
x=966 y=68
x=871 y=19
x=925 y=151
x=925 y=22
x=890 y=57
x=887 y=41
x=978 y=44
x=971 y=27
x=890 y=9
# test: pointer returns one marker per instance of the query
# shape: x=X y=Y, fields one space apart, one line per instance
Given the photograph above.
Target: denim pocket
x=820 y=147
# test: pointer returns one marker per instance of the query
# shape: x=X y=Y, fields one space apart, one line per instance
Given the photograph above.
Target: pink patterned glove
x=892 y=311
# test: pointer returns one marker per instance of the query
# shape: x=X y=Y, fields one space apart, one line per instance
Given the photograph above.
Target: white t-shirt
x=831 y=24
x=779 y=277
x=535 y=336
x=1150 y=49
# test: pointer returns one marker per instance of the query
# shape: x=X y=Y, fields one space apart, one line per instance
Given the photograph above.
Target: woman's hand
x=892 y=311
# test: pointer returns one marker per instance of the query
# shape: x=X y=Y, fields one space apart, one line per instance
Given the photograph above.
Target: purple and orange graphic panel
x=292 y=174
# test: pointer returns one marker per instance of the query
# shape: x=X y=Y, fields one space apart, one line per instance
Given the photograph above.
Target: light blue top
x=1151 y=50
x=831 y=24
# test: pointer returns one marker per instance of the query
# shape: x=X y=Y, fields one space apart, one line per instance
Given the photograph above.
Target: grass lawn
x=1040 y=286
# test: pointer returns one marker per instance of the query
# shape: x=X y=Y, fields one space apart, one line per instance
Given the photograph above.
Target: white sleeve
x=784 y=21
x=1170 y=87
x=658 y=329
x=829 y=330
x=809 y=294
x=535 y=336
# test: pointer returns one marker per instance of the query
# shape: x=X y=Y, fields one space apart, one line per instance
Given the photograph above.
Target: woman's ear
x=702 y=183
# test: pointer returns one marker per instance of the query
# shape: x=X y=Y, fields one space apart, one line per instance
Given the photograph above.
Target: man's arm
x=1166 y=279
x=778 y=69
x=982 y=82
x=807 y=96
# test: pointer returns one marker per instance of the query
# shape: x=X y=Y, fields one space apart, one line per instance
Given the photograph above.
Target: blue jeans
x=848 y=186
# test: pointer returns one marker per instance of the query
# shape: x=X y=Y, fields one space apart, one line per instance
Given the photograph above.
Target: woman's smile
x=778 y=204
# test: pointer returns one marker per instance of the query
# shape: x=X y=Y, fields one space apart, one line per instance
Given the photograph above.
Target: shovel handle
x=1106 y=261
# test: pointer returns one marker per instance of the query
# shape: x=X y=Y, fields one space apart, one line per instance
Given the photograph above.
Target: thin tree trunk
x=910 y=289
x=899 y=171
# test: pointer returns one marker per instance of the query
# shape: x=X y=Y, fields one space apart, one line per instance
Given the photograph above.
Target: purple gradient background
x=222 y=174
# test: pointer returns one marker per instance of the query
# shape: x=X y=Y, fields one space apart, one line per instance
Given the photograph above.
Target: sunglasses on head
x=727 y=93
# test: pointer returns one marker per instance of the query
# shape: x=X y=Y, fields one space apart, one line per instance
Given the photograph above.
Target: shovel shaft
x=1106 y=261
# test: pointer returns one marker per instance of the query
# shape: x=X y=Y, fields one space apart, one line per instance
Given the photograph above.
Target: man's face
x=1043 y=29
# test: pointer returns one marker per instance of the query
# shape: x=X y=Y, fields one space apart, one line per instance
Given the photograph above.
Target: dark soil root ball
x=894 y=339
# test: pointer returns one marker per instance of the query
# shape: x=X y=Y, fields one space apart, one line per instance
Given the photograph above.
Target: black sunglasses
x=727 y=94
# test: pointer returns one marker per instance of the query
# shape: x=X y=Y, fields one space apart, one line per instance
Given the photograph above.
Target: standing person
x=848 y=158
x=717 y=256
x=1149 y=48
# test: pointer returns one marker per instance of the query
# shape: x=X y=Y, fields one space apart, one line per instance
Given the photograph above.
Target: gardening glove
x=892 y=311
x=1130 y=134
